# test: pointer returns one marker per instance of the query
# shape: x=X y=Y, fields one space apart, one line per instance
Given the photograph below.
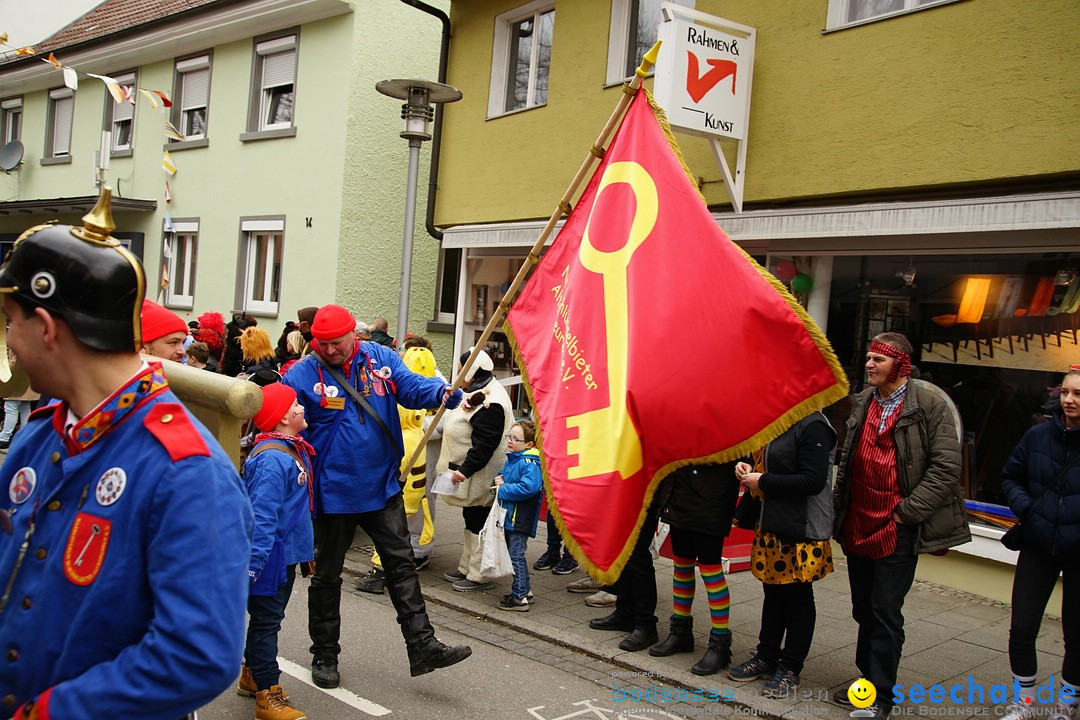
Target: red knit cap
x=331 y=322
x=277 y=399
x=157 y=322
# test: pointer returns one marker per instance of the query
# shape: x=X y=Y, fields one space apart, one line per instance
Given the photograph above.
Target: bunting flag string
x=121 y=94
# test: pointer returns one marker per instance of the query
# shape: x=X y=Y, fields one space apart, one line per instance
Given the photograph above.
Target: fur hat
x=277 y=399
x=157 y=322
x=332 y=322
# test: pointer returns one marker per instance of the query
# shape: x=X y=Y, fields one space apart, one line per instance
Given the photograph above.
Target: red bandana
x=902 y=366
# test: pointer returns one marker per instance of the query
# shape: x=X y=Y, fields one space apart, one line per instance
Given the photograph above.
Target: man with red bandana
x=356 y=482
x=897 y=495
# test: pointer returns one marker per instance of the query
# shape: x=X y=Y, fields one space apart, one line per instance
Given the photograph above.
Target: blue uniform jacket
x=130 y=601
x=520 y=491
x=355 y=465
x=278 y=488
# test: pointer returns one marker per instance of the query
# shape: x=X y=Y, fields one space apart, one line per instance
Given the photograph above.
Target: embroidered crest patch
x=85 y=551
x=110 y=486
x=22 y=485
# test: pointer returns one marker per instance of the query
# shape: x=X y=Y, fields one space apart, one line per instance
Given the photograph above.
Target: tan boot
x=273 y=704
x=246 y=687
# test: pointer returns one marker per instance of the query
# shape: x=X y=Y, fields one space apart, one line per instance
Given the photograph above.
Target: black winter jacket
x=700 y=498
x=797 y=483
x=1051 y=517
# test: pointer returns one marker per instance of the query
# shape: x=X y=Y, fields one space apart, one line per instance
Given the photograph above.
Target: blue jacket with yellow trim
x=355 y=465
x=131 y=598
x=520 y=491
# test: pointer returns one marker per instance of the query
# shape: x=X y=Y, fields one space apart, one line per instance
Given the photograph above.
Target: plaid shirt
x=890 y=404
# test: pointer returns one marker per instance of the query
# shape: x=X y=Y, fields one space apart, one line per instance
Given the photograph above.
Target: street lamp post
x=419 y=95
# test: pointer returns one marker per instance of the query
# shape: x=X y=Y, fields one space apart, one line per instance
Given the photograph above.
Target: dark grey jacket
x=928 y=469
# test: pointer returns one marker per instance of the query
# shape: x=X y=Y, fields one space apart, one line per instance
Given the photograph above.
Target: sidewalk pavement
x=952 y=638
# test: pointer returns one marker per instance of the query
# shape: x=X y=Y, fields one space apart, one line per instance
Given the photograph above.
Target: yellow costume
x=421 y=361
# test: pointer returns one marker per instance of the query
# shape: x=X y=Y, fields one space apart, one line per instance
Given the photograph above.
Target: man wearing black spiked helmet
x=124 y=529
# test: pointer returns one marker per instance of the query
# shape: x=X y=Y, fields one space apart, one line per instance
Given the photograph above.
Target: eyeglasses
x=511 y=438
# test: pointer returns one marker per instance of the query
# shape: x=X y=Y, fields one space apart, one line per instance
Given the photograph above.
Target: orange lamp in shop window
x=972 y=304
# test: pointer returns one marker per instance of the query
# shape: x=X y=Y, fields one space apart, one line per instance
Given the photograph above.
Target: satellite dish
x=11 y=156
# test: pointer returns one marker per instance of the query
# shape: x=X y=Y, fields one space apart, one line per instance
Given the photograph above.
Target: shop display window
x=996 y=332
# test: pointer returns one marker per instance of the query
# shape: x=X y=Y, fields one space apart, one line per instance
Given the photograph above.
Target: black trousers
x=787 y=610
x=878 y=589
x=636 y=586
x=333 y=537
x=1036 y=574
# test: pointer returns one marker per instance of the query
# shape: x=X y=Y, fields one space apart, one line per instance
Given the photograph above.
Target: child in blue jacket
x=277 y=473
x=519 y=487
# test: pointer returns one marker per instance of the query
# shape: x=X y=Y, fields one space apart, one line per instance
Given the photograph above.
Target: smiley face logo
x=862 y=693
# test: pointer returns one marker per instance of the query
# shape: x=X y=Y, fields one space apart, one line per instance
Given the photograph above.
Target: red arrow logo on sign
x=699 y=85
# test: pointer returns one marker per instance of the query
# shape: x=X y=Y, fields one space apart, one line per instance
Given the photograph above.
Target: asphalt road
x=510 y=675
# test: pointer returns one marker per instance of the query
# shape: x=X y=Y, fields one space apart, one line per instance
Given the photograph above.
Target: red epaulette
x=170 y=424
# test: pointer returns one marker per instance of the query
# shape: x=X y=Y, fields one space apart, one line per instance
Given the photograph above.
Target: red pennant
x=649 y=340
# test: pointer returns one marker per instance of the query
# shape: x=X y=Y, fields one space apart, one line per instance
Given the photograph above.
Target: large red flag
x=648 y=340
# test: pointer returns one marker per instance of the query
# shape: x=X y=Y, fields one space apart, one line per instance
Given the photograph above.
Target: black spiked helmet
x=83 y=275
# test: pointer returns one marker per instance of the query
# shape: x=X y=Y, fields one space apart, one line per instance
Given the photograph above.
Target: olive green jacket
x=928 y=469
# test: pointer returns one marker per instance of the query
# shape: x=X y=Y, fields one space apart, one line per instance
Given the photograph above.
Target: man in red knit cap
x=163 y=331
x=351 y=391
x=897 y=495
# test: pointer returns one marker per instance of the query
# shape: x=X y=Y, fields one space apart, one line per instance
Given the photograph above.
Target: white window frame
x=61 y=121
x=839 y=12
x=118 y=113
x=500 y=57
x=279 y=53
x=258 y=297
x=182 y=255
x=619 y=38
x=13 y=113
x=193 y=89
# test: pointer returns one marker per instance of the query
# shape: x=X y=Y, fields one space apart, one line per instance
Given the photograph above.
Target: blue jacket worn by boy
x=278 y=486
x=520 y=491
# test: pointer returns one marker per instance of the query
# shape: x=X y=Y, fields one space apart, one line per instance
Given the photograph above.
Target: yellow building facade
x=916 y=161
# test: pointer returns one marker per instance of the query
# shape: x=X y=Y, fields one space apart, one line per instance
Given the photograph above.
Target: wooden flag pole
x=595 y=153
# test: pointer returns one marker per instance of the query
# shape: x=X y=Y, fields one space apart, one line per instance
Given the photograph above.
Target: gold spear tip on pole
x=649 y=59
x=98 y=223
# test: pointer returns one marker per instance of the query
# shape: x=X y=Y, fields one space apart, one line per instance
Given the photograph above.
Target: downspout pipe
x=436 y=129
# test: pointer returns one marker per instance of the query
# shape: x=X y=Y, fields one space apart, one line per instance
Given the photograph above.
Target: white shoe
x=1016 y=711
x=601 y=599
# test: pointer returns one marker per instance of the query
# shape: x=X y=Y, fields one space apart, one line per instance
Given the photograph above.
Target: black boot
x=680 y=640
x=718 y=655
x=434 y=655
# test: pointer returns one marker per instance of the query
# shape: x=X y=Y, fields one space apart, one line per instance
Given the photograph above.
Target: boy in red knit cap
x=277 y=474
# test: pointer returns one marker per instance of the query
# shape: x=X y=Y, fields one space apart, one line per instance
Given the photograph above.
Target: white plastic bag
x=494 y=555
